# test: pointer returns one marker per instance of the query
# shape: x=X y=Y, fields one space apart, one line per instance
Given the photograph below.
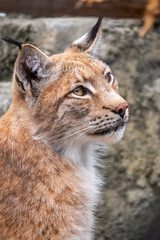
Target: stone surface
x=5 y=96
x=129 y=208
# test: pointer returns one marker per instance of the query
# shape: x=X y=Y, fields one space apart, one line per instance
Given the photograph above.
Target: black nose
x=121 y=109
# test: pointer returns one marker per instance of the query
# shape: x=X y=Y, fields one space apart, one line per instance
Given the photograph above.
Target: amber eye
x=109 y=77
x=81 y=91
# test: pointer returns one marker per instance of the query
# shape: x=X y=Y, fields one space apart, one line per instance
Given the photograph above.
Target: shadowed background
x=129 y=208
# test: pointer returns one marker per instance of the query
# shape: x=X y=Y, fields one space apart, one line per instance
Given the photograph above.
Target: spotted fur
x=49 y=184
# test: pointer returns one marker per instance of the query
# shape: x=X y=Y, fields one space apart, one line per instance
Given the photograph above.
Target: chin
x=113 y=137
x=110 y=137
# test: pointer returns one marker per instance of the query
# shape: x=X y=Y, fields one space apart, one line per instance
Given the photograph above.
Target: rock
x=130 y=201
x=141 y=182
x=5 y=96
x=137 y=196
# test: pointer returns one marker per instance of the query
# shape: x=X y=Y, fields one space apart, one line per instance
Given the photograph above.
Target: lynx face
x=71 y=97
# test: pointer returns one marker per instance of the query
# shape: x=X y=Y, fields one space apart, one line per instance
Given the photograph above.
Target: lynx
x=62 y=106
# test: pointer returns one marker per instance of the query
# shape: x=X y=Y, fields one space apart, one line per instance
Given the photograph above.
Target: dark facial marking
x=108 y=129
x=105 y=107
x=20 y=84
x=93 y=120
x=106 y=124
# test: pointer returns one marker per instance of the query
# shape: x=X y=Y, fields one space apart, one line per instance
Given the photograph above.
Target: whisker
x=71 y=134
x=73 y=129
x=130 y=117
x=75 y=139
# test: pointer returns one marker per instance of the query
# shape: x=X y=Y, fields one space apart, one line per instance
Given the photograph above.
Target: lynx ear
x=32 y=66
x=87 y=43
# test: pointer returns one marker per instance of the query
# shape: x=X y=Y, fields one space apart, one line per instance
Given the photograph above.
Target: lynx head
x=70 y=97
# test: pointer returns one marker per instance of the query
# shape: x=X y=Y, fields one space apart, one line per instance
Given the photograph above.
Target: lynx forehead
x=61 y=107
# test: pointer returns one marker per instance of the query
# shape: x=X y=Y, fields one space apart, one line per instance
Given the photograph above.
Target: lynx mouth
x=105 y=131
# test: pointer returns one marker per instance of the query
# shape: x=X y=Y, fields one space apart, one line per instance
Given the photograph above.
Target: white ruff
x=84 y=156
x=80 y=152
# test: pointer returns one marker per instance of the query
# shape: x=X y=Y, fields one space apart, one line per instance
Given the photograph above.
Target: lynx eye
x=109 y=77
x=80 y=91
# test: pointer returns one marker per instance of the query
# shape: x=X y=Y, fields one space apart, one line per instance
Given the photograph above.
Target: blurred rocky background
x=129 y=208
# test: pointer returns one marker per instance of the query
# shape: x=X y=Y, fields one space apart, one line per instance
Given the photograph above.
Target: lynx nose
x=121 y=109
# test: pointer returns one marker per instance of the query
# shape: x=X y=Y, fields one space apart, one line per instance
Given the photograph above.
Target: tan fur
x=47 y=191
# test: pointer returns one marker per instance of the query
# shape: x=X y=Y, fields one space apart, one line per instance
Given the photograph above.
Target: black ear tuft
x=9 y=40
x=95 y=29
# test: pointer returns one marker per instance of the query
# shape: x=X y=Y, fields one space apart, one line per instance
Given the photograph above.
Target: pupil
x=78 y=89
x=109 y=77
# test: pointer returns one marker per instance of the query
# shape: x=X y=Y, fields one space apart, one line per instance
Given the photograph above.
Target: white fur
x=90 y=87
x=82 y=154
x=80 y=151
x=85 y=96
x=81 y=40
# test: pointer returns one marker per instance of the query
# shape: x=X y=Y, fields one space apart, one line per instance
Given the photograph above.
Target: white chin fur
x=110 y=138
x=83 y=149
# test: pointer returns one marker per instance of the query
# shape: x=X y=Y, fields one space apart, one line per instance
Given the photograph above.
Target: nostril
x=121 y=109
